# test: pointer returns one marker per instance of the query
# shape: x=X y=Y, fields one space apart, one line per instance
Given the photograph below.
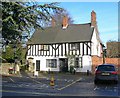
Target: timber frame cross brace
x=55 y=48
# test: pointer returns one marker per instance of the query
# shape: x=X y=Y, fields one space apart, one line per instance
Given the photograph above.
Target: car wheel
x=95 y=82
x=116 y=82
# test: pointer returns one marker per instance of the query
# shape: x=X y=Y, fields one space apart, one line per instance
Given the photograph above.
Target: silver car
x=106 y=72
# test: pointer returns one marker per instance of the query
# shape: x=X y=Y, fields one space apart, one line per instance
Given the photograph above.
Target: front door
x=37 y=65
x=63 y=64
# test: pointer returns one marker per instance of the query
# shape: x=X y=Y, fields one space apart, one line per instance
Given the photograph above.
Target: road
x=65 y=85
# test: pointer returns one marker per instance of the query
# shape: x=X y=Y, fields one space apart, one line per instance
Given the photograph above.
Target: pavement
x=58 y=76
x=7 y=75
x=46 y=75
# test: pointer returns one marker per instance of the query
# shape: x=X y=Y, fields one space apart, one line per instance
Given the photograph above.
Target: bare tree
x=58 y=18
x=113 y=49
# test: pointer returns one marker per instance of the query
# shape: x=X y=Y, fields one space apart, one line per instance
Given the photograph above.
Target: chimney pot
x=53 y=22
x=65 y=22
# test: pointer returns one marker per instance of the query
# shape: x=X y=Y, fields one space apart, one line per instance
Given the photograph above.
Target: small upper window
x=44 y=47
x=75 y=46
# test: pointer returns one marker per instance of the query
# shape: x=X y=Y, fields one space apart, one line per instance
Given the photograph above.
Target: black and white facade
x=57 y=48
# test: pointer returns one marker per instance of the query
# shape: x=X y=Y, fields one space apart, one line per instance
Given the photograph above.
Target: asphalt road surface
x=69 y=85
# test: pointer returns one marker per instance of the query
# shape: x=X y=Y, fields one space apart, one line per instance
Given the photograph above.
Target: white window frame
x=78 y=62
x=51 y=63
x=74 y=46
x=44 y=47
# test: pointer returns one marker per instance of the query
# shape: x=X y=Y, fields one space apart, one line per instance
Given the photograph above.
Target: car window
x=106 y=68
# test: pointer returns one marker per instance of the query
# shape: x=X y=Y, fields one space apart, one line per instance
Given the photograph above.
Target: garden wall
x=99 y=60
x=4 y=68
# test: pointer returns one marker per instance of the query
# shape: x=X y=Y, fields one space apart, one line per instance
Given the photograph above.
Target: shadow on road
x=24 y=74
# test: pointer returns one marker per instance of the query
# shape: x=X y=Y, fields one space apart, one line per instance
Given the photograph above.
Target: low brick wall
x=99 y=60
x=4 y=68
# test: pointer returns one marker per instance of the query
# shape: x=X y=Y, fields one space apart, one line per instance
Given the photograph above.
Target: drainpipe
x=103 y=53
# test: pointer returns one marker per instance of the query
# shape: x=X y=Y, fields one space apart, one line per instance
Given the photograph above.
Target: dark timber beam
x=79 y=48
x=88 y=45
x=65 y=49
x=32 y=49
x=61 y=49
x=83 y=49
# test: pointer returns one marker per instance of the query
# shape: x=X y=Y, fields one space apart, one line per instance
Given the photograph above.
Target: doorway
x=37 y=65
x=63 y=64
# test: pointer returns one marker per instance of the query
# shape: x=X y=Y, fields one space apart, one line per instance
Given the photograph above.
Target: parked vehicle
x=107 y=73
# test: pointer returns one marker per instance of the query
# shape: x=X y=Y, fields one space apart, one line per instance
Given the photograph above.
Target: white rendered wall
x=96 y=47
x=87 y=63
x=43 y=63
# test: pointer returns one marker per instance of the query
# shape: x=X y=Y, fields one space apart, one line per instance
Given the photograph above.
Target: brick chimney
x=65 y=22
x=93 y=19
x=53 y=22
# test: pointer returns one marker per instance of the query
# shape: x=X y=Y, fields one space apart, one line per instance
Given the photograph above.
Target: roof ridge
x=81 y=24
x=68 y=25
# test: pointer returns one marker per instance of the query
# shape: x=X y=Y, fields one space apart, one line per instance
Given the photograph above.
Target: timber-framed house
x=57 y=48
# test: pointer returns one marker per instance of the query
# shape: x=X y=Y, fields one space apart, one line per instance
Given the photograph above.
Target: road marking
x=115 y=90
x=96 y=88
x=4 y=81
x=106 y=87
x=36 y=81
x=37 y=93
x=69 y=85
x=11 y=79
x=34 y=93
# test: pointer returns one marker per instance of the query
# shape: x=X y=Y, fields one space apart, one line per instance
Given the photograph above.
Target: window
x=106 y=68
x=44 y=47
x=52 y=63
x=78 y=62
x=75 y=46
